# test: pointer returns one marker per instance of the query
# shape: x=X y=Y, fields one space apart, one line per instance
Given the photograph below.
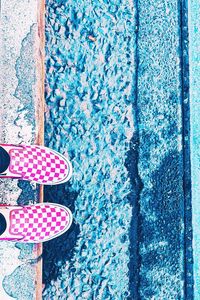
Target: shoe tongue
x=17 y=161
x=17 y=221
x=16 y=228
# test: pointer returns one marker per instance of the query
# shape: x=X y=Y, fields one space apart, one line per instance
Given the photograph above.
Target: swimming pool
x=116 y=83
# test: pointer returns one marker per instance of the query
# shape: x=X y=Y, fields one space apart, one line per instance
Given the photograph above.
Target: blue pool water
x=114 y=94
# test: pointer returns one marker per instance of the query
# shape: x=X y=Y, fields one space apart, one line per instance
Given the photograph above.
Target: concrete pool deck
x=22 y=121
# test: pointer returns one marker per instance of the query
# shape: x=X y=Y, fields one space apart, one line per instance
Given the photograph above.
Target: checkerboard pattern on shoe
x=39 y=164
x=40 y=222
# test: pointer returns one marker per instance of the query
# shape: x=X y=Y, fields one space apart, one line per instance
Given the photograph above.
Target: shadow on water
x=59 y=250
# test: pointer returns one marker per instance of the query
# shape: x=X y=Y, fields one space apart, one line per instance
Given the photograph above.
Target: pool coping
x=40 y=104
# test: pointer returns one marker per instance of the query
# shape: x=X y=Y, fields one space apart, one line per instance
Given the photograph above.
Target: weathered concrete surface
x=194 y=60
x=21 y=108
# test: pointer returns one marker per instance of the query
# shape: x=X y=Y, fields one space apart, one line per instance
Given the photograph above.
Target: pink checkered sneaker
x=35 y=223
x=37 y=164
